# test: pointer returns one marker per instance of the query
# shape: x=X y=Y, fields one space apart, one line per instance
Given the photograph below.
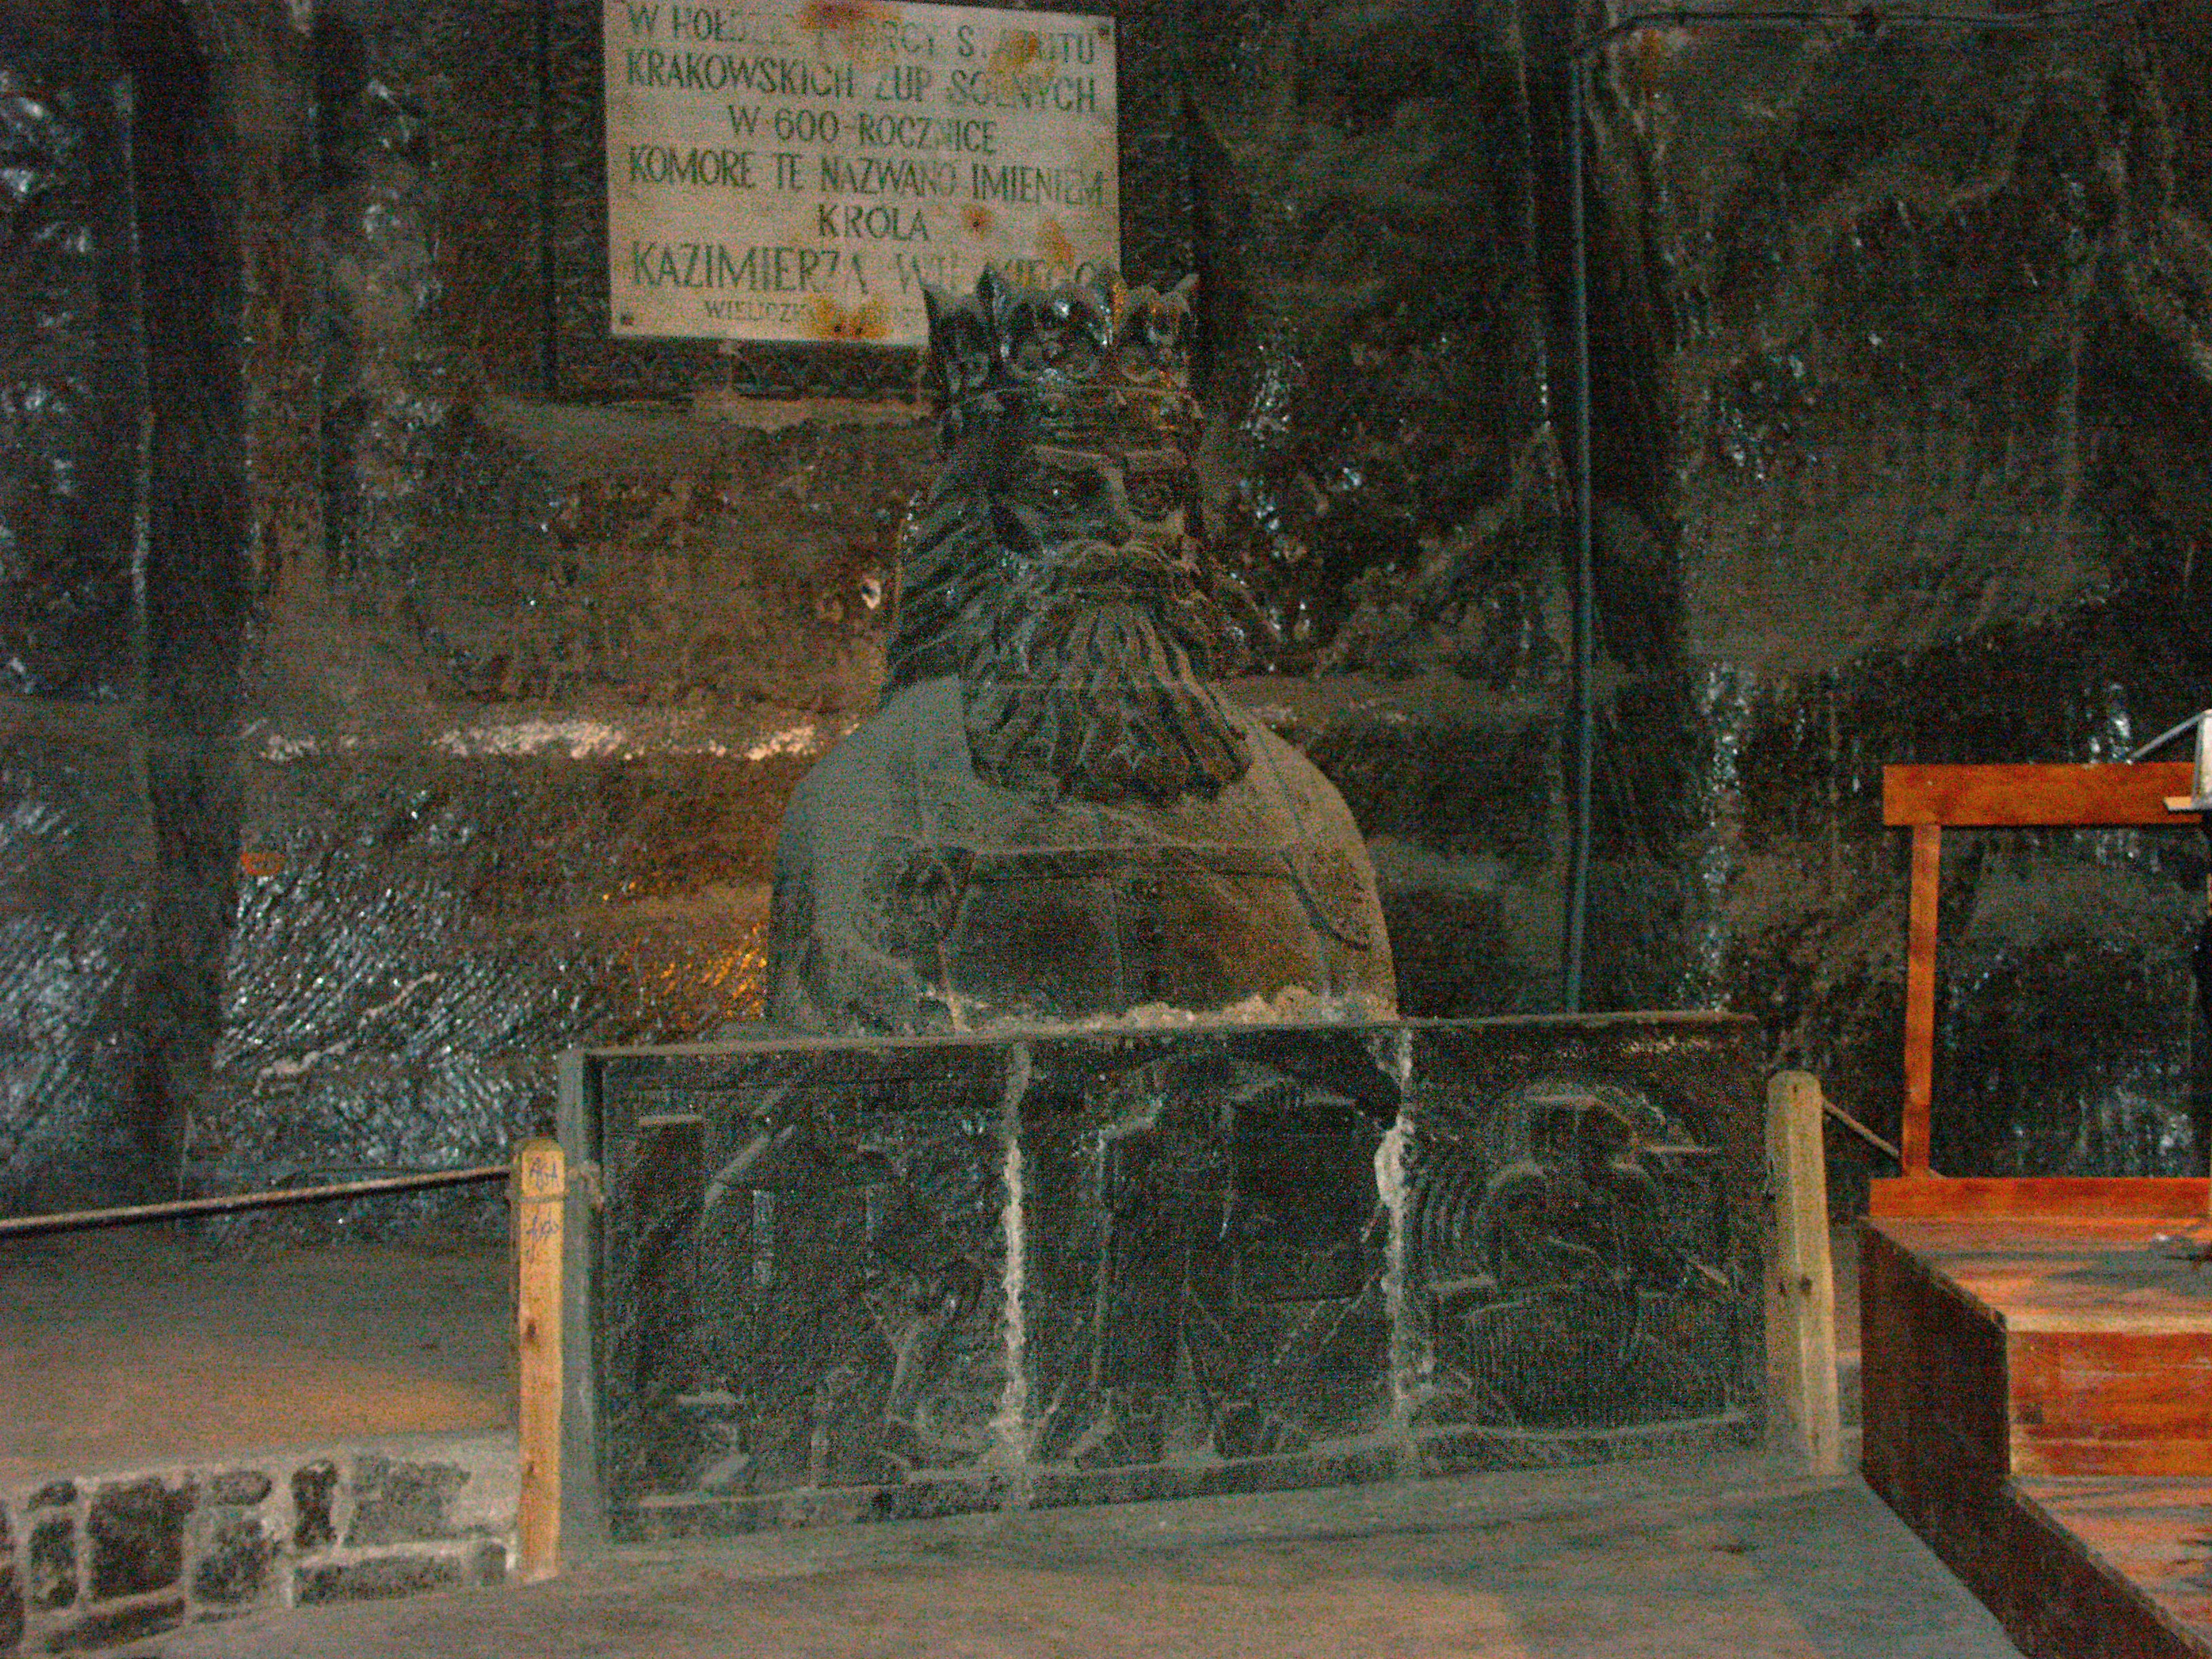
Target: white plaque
x=786 y=171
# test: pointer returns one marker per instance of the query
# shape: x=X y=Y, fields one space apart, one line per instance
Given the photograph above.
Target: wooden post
x=1801 y=1288
x=1912 y=1133
x=540 y=1187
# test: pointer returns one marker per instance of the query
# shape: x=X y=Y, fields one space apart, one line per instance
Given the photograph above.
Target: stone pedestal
x=857 y=1280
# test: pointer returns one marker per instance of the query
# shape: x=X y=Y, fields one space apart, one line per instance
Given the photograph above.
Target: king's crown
x=1004 y=337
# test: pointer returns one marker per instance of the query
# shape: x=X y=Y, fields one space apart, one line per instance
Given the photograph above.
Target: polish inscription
x=787 y=170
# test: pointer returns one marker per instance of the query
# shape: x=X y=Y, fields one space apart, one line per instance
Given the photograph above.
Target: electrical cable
x=1585 y=697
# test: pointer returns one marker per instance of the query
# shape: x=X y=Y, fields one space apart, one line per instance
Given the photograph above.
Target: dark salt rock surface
x=53 y=1563
x=137 y=1537
x=893 y=1278
x=239 y=1486
x=376 y=1579
x=235 y=1569
x=132 y=1623
x=401 y=1501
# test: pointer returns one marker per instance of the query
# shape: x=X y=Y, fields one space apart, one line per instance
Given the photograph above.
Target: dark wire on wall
x=1586 y=626
x=1865 y=20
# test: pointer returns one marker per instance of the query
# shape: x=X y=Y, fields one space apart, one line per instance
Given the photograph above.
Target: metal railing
x=125 y=1215
x=539 y=1188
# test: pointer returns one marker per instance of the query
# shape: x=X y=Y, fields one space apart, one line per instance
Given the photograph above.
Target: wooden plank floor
x=2153 y=1534
x=2107 y=1332
x=2010 y=1363
x=2126 y=1272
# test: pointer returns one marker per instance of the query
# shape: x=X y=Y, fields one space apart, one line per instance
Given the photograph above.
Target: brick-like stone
x=11 y=1608
x=11 y=1588
x=396 y=1503
x=108 y=1630
x=313 y=1488
x=380 y=1578
x=137 y=1532
x=53 y=1563
x=235 y=1568
x=239 y=1486
x=53 y=1495
x=489 y=1565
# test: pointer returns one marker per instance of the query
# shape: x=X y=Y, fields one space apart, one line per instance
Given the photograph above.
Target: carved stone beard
x=1043 y=570
x=1085 y=682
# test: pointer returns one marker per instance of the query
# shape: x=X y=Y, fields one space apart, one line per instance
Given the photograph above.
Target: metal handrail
x=64 y=1221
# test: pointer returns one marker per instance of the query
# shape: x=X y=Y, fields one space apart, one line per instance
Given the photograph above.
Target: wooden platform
x=2039 y=1407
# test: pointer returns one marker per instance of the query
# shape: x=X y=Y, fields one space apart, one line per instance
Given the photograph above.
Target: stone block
x=488 y=1563
x=239 y=1486
x=11 y=1591
x=402 y=1503
x=54 y=1564
x=1109 y=1266
x=1583 y=1223
x=848 y=1248
x=138 y=1534
x=113 y=1629
x=53 y=1495
x=1203 y=1248
x=234 y=1566
x=379 y=1579
x=314 y=1492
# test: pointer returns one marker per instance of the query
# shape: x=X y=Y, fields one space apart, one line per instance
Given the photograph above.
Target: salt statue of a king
x=1055 y=814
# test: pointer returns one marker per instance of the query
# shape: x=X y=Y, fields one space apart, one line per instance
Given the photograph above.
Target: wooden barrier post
x=1801 y=1288
x=1914 y=1131
x=540 y=1188
x=1929 y=800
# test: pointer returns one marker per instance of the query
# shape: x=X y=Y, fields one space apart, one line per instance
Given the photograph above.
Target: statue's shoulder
x=1281 y=773
x=1285 y=755
x=873 y=779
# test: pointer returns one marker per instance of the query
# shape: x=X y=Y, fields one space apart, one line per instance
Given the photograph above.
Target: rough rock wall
x=1925 y=323
x=1382 y=476
x=101 y=954
x=437 y=726
x=528 y=681
x=443 y=713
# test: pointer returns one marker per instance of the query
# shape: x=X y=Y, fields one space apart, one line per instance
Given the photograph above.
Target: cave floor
x=129 y=1348
x=1729 y=1558
x=136 y=1347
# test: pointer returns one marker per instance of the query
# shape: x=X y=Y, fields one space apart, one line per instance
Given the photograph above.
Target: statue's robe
x=912 y=896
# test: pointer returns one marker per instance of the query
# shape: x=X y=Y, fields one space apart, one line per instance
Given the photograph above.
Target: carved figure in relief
x=1055 y=813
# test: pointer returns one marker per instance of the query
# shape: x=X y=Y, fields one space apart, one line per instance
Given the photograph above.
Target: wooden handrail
x=1929 y=800
x=1998 y=796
